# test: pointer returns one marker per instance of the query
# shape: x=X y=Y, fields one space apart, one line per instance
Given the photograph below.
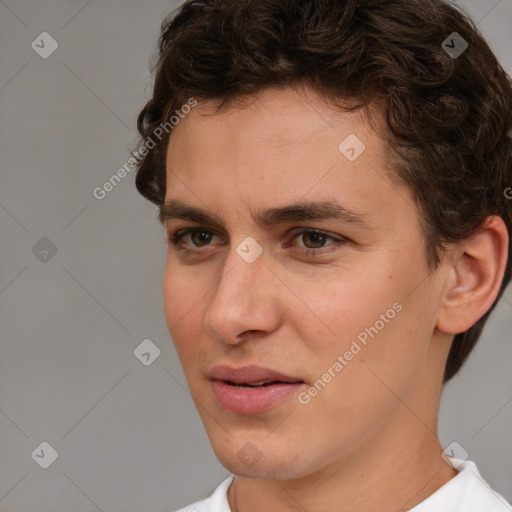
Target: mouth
x=253 y=376
x=261 y=384
x=251 y=389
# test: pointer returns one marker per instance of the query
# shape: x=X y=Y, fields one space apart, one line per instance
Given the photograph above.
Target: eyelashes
x=177 y=241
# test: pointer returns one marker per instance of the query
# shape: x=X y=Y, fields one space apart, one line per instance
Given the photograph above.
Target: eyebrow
x=302 y=211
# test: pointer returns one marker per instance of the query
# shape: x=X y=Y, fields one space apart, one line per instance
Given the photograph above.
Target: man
x=332 y=179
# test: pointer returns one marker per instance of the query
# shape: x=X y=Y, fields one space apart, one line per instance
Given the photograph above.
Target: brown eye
x=314 y=242
x=200 y=237
x=316 y=239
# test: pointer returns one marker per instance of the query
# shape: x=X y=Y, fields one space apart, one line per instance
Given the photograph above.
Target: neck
x=398 y=480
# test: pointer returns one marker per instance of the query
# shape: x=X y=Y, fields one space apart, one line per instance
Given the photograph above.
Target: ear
x=474 y=276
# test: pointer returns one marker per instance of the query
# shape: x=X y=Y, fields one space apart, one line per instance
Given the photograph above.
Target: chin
x=246 y=460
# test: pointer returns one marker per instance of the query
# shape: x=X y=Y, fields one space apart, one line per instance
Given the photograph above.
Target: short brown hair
x=447 y=116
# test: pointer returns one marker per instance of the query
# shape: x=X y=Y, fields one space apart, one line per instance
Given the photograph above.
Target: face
x=342 y=305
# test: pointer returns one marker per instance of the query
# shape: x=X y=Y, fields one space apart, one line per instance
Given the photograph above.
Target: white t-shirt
x=465 y=492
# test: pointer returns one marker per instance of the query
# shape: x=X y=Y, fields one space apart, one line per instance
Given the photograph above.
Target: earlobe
x=474 y=277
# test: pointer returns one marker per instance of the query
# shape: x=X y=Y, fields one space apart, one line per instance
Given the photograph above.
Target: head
x=266 y=97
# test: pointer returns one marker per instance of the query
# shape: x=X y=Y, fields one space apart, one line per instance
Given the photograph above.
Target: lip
x=252 y=401
x=249 y=374
x=255 y=400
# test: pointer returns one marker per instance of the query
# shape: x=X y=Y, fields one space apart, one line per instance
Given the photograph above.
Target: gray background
x=128 y=435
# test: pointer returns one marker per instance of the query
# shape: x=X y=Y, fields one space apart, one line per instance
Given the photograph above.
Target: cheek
x=369 y=318
x=344 y=306
x=352 y=372
x=182 y=300
x=183 y=290
x=172 y=288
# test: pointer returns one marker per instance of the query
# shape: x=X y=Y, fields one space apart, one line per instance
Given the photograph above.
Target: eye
x=314 y=242
x=199 y=237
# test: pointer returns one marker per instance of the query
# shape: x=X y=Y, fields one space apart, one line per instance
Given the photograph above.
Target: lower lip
x=252 y=401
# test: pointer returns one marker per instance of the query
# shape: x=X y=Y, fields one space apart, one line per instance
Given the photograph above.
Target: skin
x=368 y=440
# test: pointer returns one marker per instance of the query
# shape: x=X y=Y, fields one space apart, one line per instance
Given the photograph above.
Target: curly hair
x=447 y=117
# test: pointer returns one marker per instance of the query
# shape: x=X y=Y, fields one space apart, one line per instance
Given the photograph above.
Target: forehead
x=279 y=147
x=287 y=129
x=278 y=117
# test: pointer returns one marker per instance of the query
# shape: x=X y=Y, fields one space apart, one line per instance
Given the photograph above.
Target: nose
x=244 y=300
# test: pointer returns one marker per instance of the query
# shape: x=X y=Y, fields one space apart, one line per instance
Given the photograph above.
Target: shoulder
x=216 y=502
x=466 y=492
